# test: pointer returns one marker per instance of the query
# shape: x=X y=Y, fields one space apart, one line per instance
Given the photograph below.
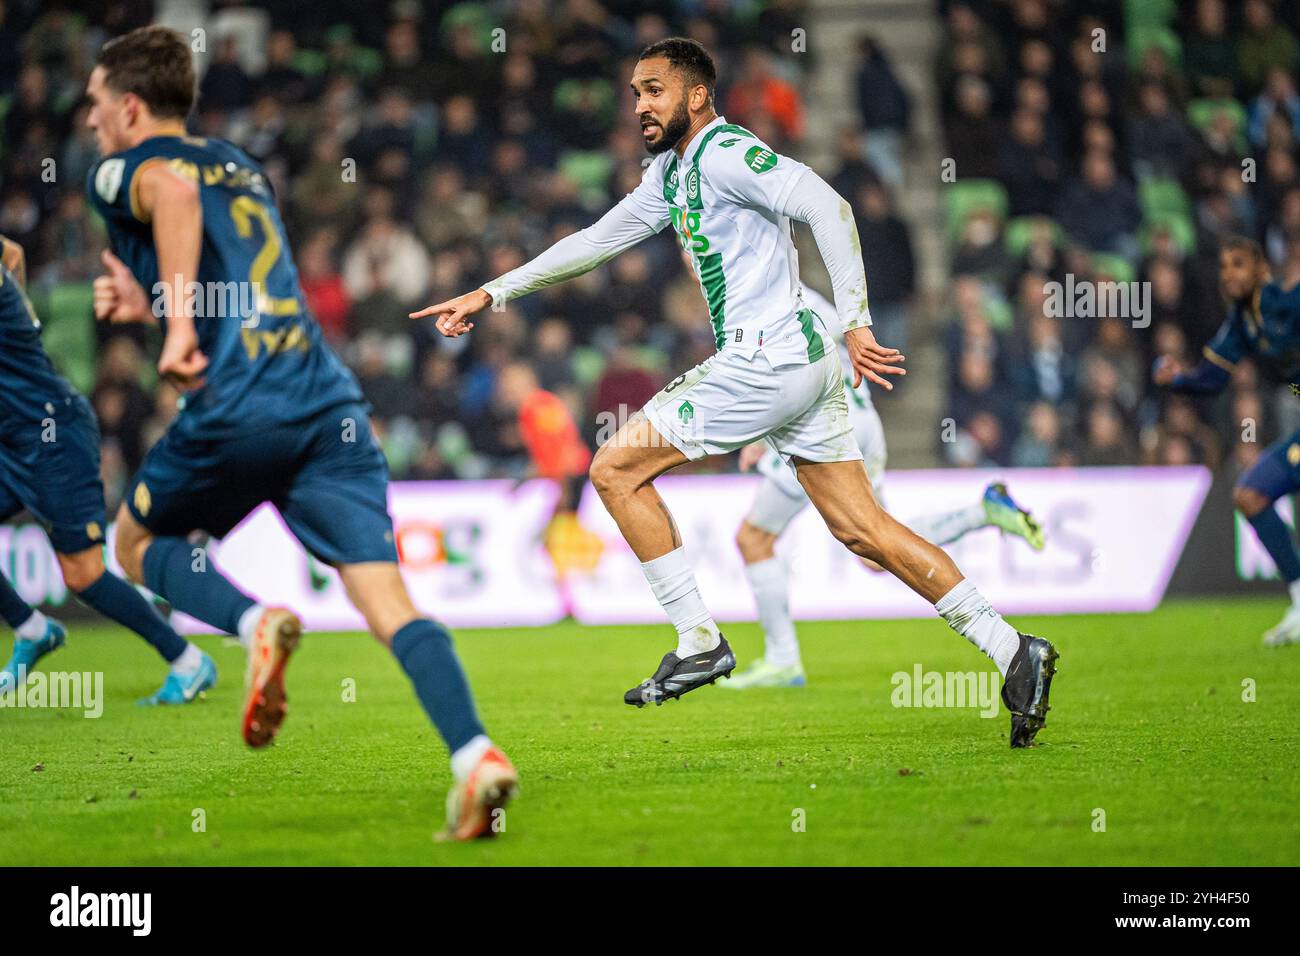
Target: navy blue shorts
x=51 y=468
x=327 y=477
x=1277 y=472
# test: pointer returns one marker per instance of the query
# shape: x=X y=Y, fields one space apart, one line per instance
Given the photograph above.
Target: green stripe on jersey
x=670 y=181
x=715 y=293
x=816 y=348
x=724 y=128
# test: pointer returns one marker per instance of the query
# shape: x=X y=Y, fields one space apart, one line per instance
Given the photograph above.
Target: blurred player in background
x=1263 y=322
x=49 y=464
x=776 y=374
x=781 y=497
x=269 y=413
x=557 y=453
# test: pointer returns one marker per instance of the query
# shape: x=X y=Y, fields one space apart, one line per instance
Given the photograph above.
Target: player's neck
x=152 y=128
x=697 y=124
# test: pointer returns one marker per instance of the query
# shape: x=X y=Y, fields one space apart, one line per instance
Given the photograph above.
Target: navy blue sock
x=118 y=601
x=206 y=595
x=1276 y=538
x=424 y=650
x=13 y=609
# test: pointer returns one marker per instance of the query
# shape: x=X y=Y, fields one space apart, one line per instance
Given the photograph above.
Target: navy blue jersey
x=1268 y=330
x=268 y=363
x=30 y=388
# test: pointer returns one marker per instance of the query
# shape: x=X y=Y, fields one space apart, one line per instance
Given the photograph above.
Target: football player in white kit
x=780 y=498
x=776 y=375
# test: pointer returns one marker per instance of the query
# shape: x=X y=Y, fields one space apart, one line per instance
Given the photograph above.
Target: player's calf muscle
x=131 y=543
x=754 y=543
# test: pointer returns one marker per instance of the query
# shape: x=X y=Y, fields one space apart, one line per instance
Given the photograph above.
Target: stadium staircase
x=910 y=32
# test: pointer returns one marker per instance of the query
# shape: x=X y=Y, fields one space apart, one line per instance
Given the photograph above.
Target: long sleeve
x=639 y=215
x=830 y=218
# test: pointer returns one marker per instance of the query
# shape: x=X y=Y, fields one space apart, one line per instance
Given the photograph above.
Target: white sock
x=32 y=629
x=248 y=624
x=190 y=660
x=1294 y=588
x=673 y=583
x=971 y=616
x=946 y=527
x=464 y=760
x=769 y=582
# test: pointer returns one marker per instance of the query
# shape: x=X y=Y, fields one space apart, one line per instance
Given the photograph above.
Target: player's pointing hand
x=870 y=359
x=453 y=313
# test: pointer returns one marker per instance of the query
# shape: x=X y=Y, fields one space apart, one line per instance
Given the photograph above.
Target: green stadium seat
x=965 y=198
x=1142 y=38
x=1202 y=113
x=1111 y=267
x=588 y=365
x=1159 y=197
x=1148 y=13
x=68 y=331
x=1020 y=232
x=589 y=171
x=1179 y=227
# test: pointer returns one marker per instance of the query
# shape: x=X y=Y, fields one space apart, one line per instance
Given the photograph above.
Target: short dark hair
x=155 y=64
x=686 y=55
x=1244 y=244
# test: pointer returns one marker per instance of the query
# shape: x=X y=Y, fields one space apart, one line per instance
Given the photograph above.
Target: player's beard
x=673 y=132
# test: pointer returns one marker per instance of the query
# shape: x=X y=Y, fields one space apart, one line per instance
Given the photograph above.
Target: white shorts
x=729 y=401
x=780 y=497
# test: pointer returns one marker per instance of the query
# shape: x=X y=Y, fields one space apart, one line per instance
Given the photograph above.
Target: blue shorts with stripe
x=1277 y=472
x=326 y=475
x=50 y=466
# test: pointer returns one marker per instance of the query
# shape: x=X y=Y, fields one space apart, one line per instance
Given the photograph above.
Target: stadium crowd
x=417 y=153
x=1111 y=142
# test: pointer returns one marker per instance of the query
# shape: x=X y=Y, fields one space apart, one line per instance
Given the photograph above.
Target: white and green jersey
x=731 y=200
x=726 y=201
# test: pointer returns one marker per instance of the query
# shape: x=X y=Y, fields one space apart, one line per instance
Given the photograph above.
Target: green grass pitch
x=1148 y=726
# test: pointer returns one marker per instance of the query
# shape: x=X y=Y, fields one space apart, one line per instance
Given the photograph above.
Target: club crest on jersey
x=760 y=159
x=693 y=183
x=143 y=500
x=686 y=412
x=108 y=178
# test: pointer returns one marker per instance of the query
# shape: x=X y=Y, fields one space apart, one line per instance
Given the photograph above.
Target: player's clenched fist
x=453 y=313
x=870 y=359
x=118 y=297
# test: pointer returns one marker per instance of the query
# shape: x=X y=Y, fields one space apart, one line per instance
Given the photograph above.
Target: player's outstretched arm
x=619 y=229
x=172 y=202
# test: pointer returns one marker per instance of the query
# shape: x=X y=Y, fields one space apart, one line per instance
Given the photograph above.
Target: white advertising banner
x=473 y=554
x=1114 y=536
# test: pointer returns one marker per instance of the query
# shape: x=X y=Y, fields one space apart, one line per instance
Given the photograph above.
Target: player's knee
x=754 y=543
x=81 y=570
x=1249 y=501
x=608 y=475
